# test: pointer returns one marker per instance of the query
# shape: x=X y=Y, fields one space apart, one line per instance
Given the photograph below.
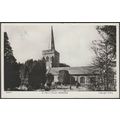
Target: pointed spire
x=52 y=39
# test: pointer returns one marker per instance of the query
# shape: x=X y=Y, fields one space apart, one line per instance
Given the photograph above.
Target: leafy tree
x=28 y=66
x=110 y=33
x=37 y=76
x=50 y=79
x=11 y=68
x=25 y=71
x=64 y=77
x=33 y=73
x=105 y=50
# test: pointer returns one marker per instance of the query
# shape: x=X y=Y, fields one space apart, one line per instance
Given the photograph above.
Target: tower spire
x=52 y=39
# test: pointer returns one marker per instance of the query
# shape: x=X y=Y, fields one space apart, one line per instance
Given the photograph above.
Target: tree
x=50 y=79
x=105 y=51
x=11 y=68
x=28 y=66
x=64 y=77
x=37 y=76
x=25 y=70
x=110 y=33
x=33 y=73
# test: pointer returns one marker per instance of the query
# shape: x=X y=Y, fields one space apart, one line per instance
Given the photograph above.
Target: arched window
x=82 y=79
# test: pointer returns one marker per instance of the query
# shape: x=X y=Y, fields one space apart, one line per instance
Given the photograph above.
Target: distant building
x=83 y=75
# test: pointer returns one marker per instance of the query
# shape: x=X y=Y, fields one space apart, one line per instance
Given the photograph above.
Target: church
x=82 y=74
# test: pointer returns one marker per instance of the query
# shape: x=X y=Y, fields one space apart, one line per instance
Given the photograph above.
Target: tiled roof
x=75 y=70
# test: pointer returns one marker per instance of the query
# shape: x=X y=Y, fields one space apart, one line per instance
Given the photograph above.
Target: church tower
x=51 y=56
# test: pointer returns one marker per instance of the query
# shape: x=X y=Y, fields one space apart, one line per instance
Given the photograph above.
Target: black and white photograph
x=60 y=60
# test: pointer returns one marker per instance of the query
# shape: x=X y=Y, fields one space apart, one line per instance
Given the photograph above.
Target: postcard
x=60 y=60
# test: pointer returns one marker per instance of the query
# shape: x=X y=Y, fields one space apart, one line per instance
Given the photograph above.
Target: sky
x=72 y=41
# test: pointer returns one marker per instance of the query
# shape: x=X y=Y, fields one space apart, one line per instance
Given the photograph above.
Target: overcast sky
x=72 y=41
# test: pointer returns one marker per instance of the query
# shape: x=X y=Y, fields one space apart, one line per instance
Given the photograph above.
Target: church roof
x=83 y=70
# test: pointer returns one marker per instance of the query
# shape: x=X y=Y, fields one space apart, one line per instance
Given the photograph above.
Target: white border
x=34 y=94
